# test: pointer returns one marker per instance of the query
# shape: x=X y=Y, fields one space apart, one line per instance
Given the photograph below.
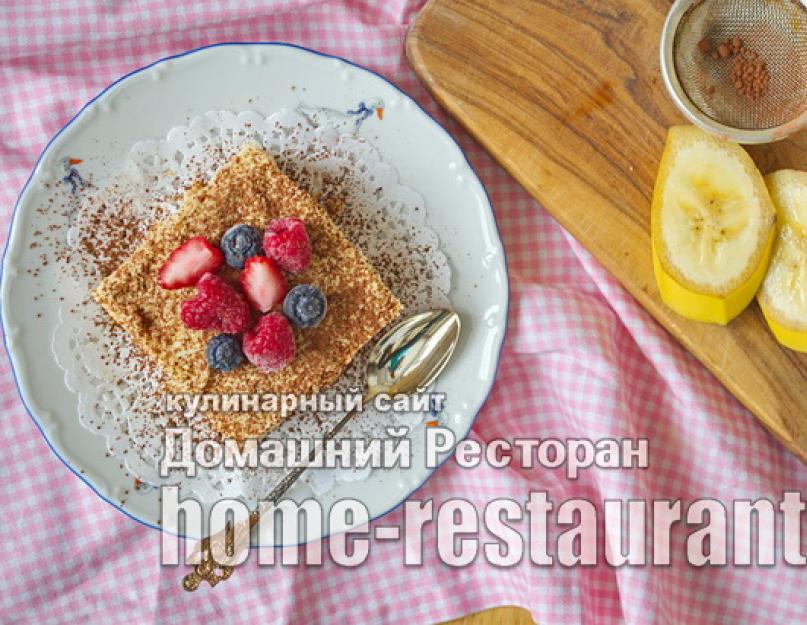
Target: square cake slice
x=250 y=189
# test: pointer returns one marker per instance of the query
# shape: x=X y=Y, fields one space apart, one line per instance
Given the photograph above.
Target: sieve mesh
x=775 y=29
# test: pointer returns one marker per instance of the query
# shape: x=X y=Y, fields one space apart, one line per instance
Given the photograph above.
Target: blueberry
x=305 y=305
x=239 y=243
x=224 y=352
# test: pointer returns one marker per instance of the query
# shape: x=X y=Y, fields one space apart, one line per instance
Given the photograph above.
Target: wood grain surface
x=567 y=96
x=506 y=615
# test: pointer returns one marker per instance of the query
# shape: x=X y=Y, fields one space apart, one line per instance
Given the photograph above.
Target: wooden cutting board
x=567 y=96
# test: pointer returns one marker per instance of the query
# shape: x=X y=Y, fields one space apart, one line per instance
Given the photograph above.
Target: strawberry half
x=262 y=283
x=189 y=262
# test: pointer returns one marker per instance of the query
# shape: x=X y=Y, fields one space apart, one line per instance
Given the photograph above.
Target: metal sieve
x=702 y=86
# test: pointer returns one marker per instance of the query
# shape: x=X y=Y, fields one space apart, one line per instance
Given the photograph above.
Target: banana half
x=713 y=226
x=783 y=296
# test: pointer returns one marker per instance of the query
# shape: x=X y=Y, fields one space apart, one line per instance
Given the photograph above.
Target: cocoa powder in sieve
x=749 y=73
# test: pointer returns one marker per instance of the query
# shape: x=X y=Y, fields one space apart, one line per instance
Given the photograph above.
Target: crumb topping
x=250 y=189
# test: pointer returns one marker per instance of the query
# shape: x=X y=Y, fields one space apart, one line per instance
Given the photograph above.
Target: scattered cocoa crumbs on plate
x=111 y=231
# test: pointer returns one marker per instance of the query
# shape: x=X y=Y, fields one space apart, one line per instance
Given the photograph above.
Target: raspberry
x=286 y=241
x=270 y=344
x=217 y=306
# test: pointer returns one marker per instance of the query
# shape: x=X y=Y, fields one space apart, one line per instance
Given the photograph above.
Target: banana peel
x=711 y=308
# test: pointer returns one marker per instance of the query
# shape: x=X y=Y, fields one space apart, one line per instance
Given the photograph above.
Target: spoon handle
x=210 y=571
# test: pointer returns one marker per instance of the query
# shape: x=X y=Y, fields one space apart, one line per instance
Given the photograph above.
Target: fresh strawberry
x=217 y=306
x=270 y=344
x=287 y=242
x=262 y=283
x=189 y=262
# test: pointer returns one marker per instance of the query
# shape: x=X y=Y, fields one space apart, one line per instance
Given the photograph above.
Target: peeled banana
x=713 y=226
x=783 y=296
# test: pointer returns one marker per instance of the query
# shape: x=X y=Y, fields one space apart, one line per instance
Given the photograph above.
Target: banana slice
x=783 y=296
x=713 y=226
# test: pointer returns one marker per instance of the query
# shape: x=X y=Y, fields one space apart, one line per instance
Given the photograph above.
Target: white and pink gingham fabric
x=581 y=359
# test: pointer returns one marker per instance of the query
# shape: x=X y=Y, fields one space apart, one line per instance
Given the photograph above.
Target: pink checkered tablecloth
x=581 y=359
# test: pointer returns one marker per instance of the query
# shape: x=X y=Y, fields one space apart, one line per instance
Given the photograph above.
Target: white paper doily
x=119 y=397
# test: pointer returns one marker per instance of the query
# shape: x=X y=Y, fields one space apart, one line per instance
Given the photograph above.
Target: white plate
x=266 y=77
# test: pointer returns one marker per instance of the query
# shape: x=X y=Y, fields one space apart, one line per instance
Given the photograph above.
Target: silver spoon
x=406 y=359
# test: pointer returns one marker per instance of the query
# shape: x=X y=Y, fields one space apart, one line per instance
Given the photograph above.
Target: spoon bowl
x=411 y=354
